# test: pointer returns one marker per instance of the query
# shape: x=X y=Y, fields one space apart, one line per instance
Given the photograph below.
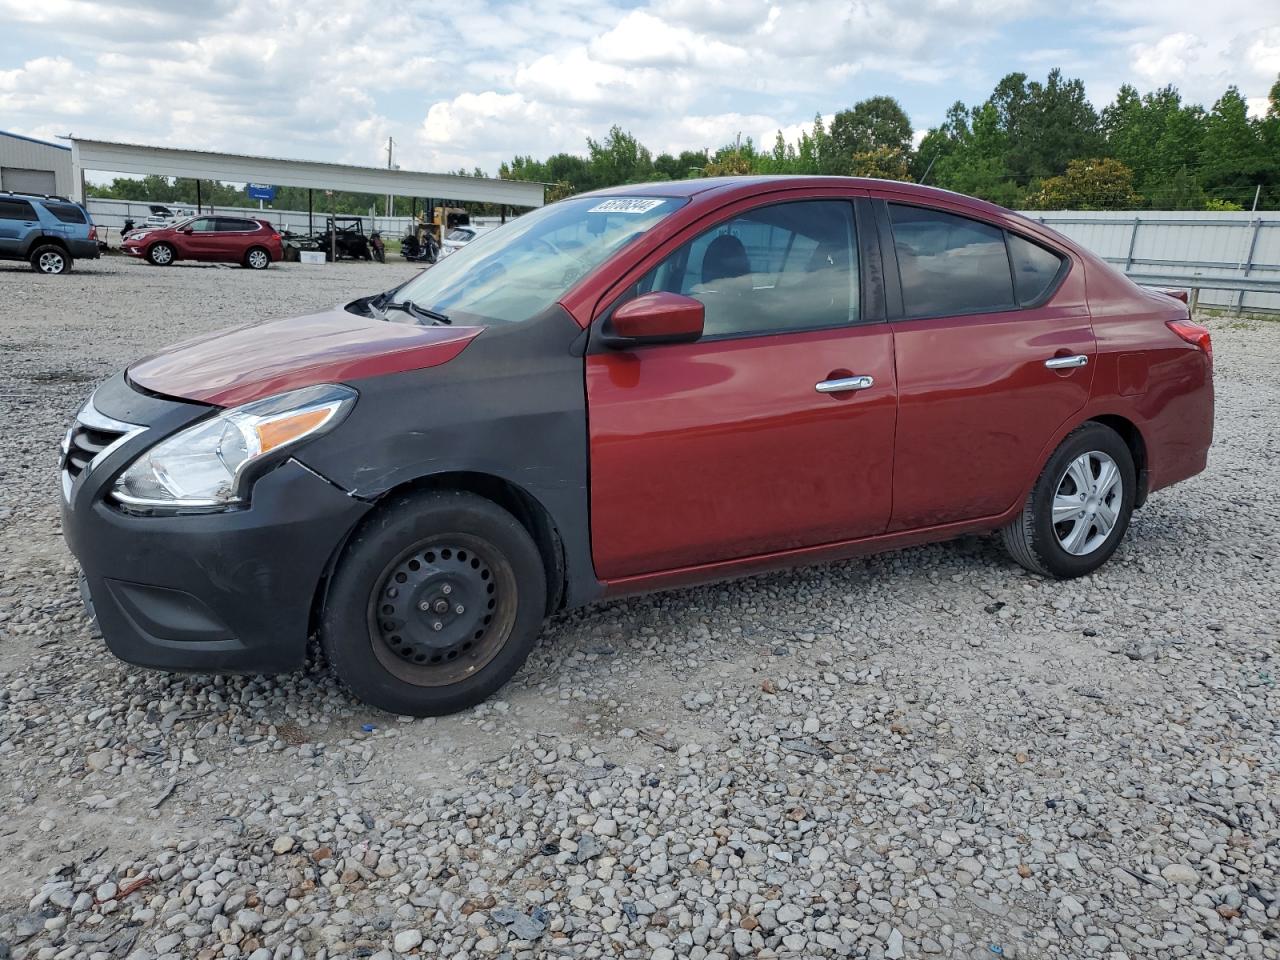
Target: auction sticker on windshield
x=627 y=205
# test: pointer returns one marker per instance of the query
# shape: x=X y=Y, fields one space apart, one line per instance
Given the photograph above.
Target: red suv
x=642 y=388
x=253 y=243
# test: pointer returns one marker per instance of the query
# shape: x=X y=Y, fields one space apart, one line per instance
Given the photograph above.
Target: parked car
x=456 y=239
x=50 y=233
x=642 y=388
x=253 y=243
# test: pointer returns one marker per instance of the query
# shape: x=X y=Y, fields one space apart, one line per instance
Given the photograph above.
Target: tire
x=161 y=254
x=51 y=259
x=480 y=575
x=257 y=259
x=1080 y=541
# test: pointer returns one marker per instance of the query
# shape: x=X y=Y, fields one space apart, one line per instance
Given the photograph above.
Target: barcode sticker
x=627 y=205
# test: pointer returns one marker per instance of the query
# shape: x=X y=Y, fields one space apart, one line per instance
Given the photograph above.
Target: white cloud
x=1168 y=58
x=473 y=84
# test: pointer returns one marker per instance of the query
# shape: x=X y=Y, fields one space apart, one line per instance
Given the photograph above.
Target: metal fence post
x=1133 y=239
x=1248 y=261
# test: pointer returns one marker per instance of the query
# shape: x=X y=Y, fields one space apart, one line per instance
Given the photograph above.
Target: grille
x=83 y=444
x=90 y=437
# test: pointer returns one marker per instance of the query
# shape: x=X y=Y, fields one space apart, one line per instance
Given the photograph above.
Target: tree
x=883 y=163
x=619 y=158
x=871 y=125
x=1097 y=184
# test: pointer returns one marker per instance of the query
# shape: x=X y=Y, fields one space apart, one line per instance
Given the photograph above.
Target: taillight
x=1194 y=334
x=93 y=233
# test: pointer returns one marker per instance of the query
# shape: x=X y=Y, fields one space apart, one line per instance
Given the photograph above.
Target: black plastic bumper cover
x=222 y=592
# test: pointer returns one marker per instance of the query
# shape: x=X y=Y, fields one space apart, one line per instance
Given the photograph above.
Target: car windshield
x=518 y=270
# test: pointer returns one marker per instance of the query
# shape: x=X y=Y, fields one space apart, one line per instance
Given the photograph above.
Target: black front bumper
x=224 y=592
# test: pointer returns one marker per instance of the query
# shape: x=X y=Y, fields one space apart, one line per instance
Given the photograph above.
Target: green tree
x=618 y=158
x=869 y=126
x=1097 y=184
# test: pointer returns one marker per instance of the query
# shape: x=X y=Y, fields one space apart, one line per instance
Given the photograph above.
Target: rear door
x=18 y=220
x=234 y=237
x=726 y=447
x=994 y=352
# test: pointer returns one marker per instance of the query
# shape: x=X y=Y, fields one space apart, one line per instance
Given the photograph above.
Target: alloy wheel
x=257 y=259
x=442 y=610
x=51 y=262
x=1087 y=502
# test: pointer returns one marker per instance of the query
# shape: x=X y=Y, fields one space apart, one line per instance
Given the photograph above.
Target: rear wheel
x=1080 y=507
x=257 y=259
x=161 y=254
x=435 y=604
x=51 y=259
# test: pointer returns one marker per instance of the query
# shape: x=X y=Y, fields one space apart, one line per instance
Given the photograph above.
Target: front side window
x=203 y=225
x=516 y=271
x=789 y=266
x=950 y=264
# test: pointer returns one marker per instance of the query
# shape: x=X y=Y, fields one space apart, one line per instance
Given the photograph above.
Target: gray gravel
x=928 y=753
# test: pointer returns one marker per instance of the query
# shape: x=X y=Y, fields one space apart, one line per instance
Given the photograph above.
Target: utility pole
x=390 y=148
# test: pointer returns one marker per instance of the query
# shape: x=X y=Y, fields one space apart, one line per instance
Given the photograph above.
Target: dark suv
x=48 y=232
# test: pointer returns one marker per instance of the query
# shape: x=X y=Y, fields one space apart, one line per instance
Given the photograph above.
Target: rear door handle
x=1066 y=363
x=844 y=384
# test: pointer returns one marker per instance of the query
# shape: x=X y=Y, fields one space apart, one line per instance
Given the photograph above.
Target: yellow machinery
x=443 y=220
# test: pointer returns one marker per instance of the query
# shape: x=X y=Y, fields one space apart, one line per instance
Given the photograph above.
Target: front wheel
x=160 y=254
x=435 y=604
x=1080 y=507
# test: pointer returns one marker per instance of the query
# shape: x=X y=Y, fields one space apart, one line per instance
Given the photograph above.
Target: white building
x=34 y=166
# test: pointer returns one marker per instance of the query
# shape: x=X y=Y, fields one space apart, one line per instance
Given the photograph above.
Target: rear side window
x=12 y=209
x=227 y=225
x=66 y=212
x=1035 y=269
x=950 y=264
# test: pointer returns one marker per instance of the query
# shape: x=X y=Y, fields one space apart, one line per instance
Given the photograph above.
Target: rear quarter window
x=1035 y=269
x=66 y=212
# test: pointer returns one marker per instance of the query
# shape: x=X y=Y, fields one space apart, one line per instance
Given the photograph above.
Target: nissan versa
x=641 y=388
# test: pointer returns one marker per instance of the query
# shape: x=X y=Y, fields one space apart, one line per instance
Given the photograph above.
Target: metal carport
x=132 y=158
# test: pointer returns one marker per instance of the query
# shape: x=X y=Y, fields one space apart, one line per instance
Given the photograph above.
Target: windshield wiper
x=408 y=306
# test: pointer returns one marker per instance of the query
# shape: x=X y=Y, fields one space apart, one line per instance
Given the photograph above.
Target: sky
x=473 y=83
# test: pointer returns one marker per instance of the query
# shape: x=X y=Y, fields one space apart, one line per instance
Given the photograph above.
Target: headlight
x=209 y=465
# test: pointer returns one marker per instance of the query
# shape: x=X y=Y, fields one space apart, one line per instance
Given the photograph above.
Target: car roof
x=35 y=196
x=726 y=188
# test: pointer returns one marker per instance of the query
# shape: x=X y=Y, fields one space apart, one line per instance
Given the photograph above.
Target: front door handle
x=1066 y=363
x=844 y=384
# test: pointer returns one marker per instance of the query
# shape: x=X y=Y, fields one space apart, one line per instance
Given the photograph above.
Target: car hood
x=247 y=363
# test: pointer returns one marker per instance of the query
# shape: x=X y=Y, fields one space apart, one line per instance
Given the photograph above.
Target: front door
x=994 y=352
x=202 y=242
x=732 y=446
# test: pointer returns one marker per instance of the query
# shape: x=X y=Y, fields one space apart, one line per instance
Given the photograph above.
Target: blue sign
x=261 y=191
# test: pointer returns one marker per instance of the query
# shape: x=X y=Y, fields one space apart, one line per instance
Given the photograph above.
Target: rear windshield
x=66 y=212
x=516 y=271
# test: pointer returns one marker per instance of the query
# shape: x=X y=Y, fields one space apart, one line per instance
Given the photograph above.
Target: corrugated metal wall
x=1182 y=242
x=24 y=154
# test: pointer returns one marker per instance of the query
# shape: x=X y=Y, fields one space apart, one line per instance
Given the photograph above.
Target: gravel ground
x=930 y=752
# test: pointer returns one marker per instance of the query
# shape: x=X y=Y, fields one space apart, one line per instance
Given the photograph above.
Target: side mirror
x=187 y=230
x=658 y=317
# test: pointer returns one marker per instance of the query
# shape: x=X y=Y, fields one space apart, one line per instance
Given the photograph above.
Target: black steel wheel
x=443 y=609
x=435 y=603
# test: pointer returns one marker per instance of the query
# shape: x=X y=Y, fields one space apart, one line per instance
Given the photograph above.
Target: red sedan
x=251 y=243
x=636 y=389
